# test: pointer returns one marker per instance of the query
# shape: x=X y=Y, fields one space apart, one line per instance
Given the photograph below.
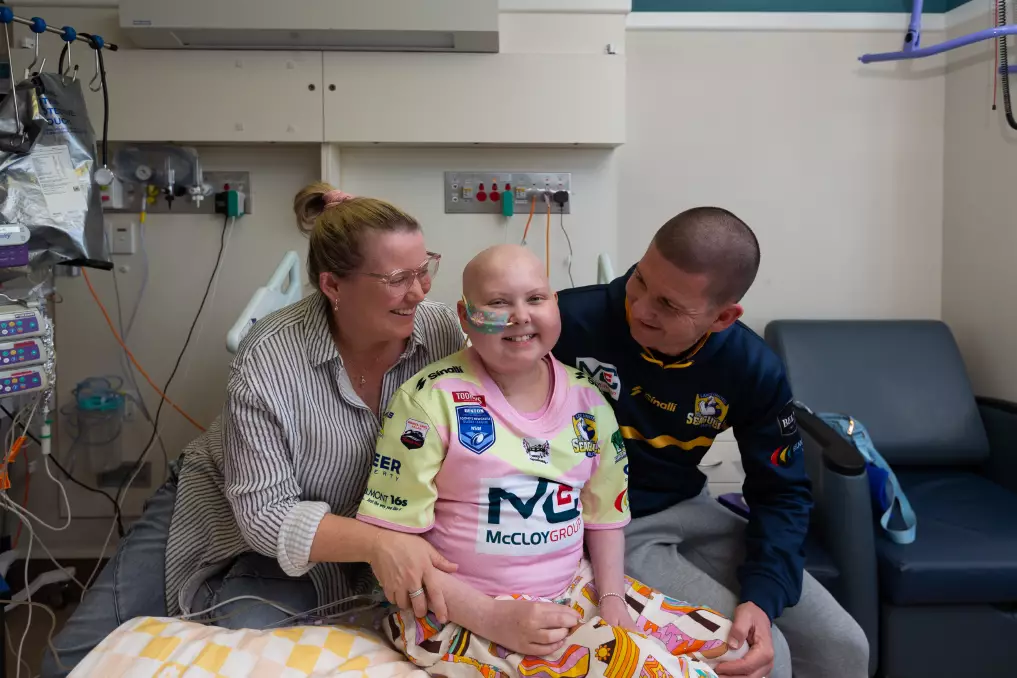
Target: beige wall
x=980 y=235
x=837 y=167
x=783 y=128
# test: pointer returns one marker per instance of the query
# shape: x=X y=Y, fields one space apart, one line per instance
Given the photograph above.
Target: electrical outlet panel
x=483 y=192
x=182 y=202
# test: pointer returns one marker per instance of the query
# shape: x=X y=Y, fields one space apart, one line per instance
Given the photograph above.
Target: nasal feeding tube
x=487 y=322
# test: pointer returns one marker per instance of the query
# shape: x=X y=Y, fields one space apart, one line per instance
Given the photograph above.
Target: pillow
x=148 y=647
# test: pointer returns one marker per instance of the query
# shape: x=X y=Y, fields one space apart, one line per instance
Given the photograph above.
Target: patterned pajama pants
x=675 y=640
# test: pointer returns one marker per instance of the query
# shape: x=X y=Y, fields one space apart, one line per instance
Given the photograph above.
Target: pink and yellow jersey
x=504 y=495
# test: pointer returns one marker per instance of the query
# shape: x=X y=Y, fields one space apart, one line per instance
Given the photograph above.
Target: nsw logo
x=604 y=375
x=476 y=428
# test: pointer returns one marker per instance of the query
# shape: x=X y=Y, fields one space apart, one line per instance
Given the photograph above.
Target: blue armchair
x=947 y=603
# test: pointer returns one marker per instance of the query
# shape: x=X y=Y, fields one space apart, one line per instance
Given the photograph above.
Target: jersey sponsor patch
x=388 y=502
x=455 y=369
x=784 y=456
x=414 y=433
x=467 y=397
x=604 y=375
x=585 y=427
x=526 y=516
x=786 y=420
x=619 y=446
x=476 y=428
x=538 y=450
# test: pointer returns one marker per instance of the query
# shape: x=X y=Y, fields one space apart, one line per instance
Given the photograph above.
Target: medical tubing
x=1004 y=67
x=98 y=44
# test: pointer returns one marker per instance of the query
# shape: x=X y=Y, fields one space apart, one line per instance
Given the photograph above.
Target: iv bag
x=50 y=190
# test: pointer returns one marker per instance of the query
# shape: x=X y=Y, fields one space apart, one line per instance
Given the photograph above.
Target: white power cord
x=28 y=623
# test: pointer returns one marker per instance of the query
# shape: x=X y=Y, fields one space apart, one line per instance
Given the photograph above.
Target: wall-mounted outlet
x=483 y=192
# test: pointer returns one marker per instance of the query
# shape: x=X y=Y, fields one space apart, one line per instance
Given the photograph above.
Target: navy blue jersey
x=670 y=409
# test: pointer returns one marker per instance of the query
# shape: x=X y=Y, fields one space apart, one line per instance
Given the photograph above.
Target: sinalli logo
x=650 y=398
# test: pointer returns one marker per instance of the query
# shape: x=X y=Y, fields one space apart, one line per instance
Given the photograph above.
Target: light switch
x=123 y=238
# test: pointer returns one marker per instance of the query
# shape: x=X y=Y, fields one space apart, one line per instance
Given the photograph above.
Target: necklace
x=363 y=379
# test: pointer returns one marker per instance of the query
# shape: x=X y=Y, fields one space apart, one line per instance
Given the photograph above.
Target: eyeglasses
x=401 y=280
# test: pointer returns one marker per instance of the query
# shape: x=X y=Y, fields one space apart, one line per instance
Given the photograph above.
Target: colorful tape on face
x=487 y=322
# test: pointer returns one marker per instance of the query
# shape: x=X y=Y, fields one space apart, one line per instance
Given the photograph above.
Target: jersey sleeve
x=401 y=492
x=778 y=490
x=606 y=496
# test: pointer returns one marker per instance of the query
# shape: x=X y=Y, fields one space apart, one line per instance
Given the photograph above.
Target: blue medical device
x=912 y=48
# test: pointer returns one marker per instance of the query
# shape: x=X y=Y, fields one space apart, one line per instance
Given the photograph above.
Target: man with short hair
x=665 y=345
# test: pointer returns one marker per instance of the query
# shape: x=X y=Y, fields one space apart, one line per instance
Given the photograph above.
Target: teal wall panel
x=931 y=6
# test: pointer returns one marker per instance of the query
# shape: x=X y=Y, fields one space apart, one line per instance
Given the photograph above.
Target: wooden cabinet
x=508 y=99
x=184 y=96
x=454 y=99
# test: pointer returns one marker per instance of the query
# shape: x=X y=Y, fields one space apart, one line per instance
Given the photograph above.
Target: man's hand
x=530 y=628
x=750 y=624
x=616 y=613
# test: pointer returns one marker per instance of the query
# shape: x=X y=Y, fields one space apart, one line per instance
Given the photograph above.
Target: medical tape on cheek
x=487 y=322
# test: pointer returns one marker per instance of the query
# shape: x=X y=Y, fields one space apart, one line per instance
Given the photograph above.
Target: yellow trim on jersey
x=659 y=442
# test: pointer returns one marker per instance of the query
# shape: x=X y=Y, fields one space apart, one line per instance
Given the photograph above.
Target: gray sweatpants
x=692 y=551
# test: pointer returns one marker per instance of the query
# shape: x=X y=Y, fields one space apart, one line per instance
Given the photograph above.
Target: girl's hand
x=404 y=563
x=616 y=613
x=530 y=628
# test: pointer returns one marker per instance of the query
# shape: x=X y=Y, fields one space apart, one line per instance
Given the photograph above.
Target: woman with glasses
x=262 y=505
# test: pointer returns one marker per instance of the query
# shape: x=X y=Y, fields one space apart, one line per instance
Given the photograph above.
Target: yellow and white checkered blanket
x=166 y=648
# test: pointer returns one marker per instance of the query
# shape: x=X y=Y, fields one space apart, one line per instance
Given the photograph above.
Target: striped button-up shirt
x=296 y=442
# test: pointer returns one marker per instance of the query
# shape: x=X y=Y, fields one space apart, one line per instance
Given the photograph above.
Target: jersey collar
x=701 y=350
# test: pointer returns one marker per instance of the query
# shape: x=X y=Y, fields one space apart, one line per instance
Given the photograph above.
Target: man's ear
x=727 y=317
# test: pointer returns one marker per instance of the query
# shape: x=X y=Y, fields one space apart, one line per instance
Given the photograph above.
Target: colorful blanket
x=166 y=648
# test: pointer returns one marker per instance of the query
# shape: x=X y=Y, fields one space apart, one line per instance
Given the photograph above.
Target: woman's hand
x=530 y=628
x=404 y=563
x=616 y=613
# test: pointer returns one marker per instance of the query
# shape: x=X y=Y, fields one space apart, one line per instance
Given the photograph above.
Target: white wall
x=838 y=167
x=980 y=236
x=785 y=129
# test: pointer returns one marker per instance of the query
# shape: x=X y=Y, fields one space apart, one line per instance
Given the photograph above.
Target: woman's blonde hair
x=337 y=230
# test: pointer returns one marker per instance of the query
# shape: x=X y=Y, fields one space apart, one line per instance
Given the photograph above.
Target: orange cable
x=547 y=241
x=131 y=355
x=533 y=208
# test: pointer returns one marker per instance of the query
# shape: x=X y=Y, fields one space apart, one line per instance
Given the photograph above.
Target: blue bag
x=886 y=491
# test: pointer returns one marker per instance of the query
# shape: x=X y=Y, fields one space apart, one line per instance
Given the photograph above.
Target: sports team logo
x=537 y=450
x=414 y=433
x=585 y=427
x=710 y=412
x=604 y=375
x=619 y=446
x=476 y=428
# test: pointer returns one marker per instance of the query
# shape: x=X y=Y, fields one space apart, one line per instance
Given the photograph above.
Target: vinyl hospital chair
x=946 y=604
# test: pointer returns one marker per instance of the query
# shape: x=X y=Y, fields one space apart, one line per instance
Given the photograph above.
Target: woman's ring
x=419 y=592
